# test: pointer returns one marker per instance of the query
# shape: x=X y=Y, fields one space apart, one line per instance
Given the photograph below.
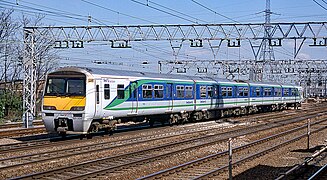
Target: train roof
x=139 y=74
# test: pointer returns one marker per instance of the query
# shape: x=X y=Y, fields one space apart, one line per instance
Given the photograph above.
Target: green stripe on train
x=188 y=105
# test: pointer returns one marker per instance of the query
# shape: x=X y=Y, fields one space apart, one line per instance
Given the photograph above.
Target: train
x=85 y=100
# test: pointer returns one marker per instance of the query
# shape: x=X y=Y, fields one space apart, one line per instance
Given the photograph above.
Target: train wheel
x=109 y=131
x=88 y=136
x=63 y=135
x=162 y=122
x=81 y=137
x=171 y=121
x=151 y=122
x=94 y=127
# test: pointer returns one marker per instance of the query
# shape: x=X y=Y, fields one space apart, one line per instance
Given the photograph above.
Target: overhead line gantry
x=216 y=35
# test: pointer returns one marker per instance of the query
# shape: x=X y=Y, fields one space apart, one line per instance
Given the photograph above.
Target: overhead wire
x=320 y=5
x=166 y=12
x=57 y=13
x=176 y=11
x=209 y=9
x=134 y=17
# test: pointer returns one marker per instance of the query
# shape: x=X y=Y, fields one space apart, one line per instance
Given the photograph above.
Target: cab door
x=98 y=98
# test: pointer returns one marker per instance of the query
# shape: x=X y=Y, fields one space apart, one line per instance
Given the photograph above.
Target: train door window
x=97 y=94
x=245 y=92
x=229 y=91
x=223 y=91
x=286 y=92
x=267 y=92
x=106 y=91
x=169 y=90
x=203 y=91
x=257 y=92
x=158 y=91
x=189 y=91
x=180 y=91
x=210 y=91
x=135 y=90
x=240 y=92
x=277 y=92
x=147 y=91
x=216 y=90
x=120 y=91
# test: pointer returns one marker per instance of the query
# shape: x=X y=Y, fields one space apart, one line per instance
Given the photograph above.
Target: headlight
x=77 y=108
x=49 y=108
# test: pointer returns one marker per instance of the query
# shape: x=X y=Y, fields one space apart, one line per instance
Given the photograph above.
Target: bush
x=11 y=106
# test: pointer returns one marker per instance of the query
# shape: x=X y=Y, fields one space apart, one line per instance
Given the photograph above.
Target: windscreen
x=57 y=86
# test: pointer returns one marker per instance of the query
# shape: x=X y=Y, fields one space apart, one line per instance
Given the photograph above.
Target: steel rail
x=142 y=152
x=184 y=166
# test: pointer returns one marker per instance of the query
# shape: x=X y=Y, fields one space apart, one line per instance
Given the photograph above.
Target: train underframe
x=188 y=116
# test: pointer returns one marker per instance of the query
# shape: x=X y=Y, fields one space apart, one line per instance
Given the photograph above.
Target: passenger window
x=158 y=91
x=180 y=91
x=210 y=92
x=120 y=91
x=203 y=91
x=267 y=92
x=223 y=92
x=293 y=92
x=278 y=92
x=230 y=91
x=257 y=92
x=246 y=92
x=147 y=91
x=286 y=93
x=189 y=91
x=240 y=92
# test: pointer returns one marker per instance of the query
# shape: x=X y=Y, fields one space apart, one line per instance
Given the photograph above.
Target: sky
x=127 y=12
x=151 y=12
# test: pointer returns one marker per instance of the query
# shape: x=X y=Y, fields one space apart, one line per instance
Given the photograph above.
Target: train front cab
x=64 y=102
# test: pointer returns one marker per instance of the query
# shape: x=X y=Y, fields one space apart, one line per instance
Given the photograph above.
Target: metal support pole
x=29 y=83
x=308 y=134
x=325 y=88
x=230 y=165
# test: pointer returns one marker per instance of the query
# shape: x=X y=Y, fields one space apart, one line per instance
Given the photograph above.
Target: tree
x=45 y=56
x=11 y=55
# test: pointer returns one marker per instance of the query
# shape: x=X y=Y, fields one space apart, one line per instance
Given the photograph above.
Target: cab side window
x=106 y=91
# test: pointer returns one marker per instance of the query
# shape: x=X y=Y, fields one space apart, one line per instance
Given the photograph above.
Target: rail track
x=34 y=144
x=19 y=124
x=212 y=166
x=9 y=133
x=132 y=159
x=320 y=174
x=303 y=170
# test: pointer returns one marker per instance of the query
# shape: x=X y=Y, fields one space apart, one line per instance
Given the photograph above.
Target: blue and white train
x=84 y=100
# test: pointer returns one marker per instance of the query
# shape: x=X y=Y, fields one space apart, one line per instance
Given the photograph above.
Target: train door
x=169 y=96
x=133 y=94
x=98 y=98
